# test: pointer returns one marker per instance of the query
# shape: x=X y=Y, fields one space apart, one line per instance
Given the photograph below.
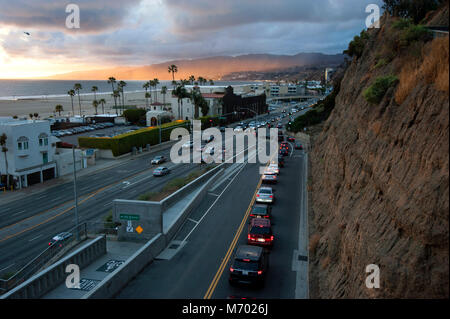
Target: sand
x=45 y=106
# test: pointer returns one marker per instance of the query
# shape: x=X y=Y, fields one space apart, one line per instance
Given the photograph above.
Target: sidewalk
x=116 y=254
x=100 y=164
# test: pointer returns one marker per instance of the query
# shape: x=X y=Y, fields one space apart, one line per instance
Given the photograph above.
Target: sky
x=141 y=32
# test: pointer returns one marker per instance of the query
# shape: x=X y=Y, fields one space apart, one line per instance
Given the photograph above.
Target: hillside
x=379 y=170
x=211 y=68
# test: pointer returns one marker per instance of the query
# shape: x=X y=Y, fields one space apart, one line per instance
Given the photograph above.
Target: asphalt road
x=217 y=227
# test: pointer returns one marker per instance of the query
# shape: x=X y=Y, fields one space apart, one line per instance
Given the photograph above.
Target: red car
x=260 y=232
x=291 y=139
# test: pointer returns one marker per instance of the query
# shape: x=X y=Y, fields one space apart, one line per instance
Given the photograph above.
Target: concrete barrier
x=119 y=278
x=107 y=154
x=50 y=278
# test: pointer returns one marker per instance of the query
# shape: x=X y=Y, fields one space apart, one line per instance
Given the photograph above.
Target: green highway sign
x=129 y=217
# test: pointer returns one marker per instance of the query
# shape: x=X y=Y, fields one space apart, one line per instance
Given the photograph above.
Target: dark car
x=158 y=160
x=283 y=152
x=260 y=232
x=60 y=239
x=280 y=138
x=161 y=171
x=298 y=146
x=280 y=161
x=291 y=139
x=261 y=211
x=284 y=145
x=279 y=126
x=249 y=266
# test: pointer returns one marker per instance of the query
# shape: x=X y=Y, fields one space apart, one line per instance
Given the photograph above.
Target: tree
x=155 y=84
x=172 y=69
x=146 y=85
x=112 y=81
x=72 y=94
x=147 y=96
x=164 y=92
x=211 y=82
x=95 y=105
x=102 y=102
x=95 y=89
x=3 y=139
x=414 y=9
x=192 y=79
x=121 y=85
x=180 y=92
x=77 y=87
x=115 y=95
x=59 y=109
x=36 y=115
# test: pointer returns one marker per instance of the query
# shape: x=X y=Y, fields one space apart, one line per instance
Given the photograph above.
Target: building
x=30 y=151
x=328 y=74
x=246 y=105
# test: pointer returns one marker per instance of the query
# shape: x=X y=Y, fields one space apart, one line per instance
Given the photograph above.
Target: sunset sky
x=151 y=31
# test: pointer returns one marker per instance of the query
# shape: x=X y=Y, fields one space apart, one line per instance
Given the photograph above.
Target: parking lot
x=97 y=132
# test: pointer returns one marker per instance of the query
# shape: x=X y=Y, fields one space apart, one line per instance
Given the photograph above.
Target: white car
x=189 y=144
x=238 y=129
x=274 y=168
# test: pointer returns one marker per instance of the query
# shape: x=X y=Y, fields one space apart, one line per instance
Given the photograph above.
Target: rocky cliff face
x=379 y=188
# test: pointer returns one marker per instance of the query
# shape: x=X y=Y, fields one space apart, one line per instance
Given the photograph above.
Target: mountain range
x=211 y=67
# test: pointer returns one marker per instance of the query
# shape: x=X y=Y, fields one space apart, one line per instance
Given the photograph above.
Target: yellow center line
x=219 y=272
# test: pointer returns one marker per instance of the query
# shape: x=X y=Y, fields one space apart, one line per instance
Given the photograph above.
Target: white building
x=30 y=149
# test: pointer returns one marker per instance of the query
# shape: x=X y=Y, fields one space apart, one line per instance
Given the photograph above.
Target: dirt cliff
x=379 y=178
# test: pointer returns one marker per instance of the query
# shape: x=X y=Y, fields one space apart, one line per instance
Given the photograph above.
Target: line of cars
x=251 y=261
x=81 y=129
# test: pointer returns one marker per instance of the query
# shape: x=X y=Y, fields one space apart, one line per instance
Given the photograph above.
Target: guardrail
x=43 y=259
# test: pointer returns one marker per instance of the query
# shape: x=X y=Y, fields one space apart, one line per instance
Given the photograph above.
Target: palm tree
x=172 y=69
x=121 y=85
x=112 y=80
x=155 y=84
x=146 y=85
x=71 y=93
x=147 y=96
x=192 y=79
x=59 y=109
x=102 y=102
x=115 y=95
x=95 y=105
x=3 y=139
x=180 y=92
x=164 y=92
x=211 y=82
x=95 y=89
x=77 y=87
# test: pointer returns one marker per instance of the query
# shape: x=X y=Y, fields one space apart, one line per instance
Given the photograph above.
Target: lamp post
x=75 y=192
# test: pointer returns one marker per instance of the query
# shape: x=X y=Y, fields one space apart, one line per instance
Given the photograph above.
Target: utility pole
x=75 y=192
x=159 y=123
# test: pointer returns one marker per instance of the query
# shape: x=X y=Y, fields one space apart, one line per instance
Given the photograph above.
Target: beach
x=45 y=106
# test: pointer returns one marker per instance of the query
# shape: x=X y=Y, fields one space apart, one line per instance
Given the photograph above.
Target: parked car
x=260 y=232
x=261 y=211
x=60 y=239
x=158 y=160
x=250 y=265
x=161 y=171
x=265 y=195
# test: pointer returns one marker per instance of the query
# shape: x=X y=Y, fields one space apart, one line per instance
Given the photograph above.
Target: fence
x=41 y=261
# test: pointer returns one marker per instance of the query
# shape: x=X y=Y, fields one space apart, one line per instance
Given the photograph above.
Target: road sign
x=87 y=284
x=130 y=227
x=111 y=265
x=129 y=217
x=139 y=229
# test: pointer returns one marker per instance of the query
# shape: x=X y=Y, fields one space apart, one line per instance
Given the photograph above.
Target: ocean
x=29 y=89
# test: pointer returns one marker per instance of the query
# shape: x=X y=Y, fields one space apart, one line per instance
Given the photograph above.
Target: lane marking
x=18 y=213
x=35 y=237
x=7 y=267
x=194 y=221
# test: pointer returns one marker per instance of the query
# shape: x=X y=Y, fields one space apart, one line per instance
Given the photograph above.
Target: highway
x=26 y=225
x=218 y=226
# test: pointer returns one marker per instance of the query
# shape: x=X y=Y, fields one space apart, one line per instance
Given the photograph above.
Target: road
x=26 y=225
x=218 y=226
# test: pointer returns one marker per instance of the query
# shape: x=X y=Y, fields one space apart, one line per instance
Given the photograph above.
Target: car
x=161 y=171
x=261 y=211
x=238 y=129
x=265 y=195
x=280 y=161
x=249 y=266
x=283 y=152
x=279 y=126
x=269 y=176
x=298 y=146
x=60 y=239
x=260 y=232
x=274 y=167
x=158 y=160
x=284 y=145
x=291 y=139
x=280 y=137
x=189 y=144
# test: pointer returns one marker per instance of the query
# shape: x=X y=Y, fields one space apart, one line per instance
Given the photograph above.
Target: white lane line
x=194 y=221
x=42 y=196
x=213 y=194
x=55 y=199
x=35 y=237
x=107 y=204
x=7 y=267
x=18 y=213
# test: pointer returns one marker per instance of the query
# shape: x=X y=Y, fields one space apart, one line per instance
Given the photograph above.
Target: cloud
x=95 y=16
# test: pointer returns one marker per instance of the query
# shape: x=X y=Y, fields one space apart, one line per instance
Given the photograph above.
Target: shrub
x=381 y=62
x=412 y=34
x=122 y=144
x=356 y=46
x=416 y=10
x=374 y=93
x=134 y=115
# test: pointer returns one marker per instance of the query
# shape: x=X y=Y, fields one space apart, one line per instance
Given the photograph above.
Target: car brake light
x=271 y=237
x=257 y=195
x=231 y=269
x=49 y=244
x=247 y=260
x=266 y=216
x=271 y=196
x=260 y=272
x=249 y=237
